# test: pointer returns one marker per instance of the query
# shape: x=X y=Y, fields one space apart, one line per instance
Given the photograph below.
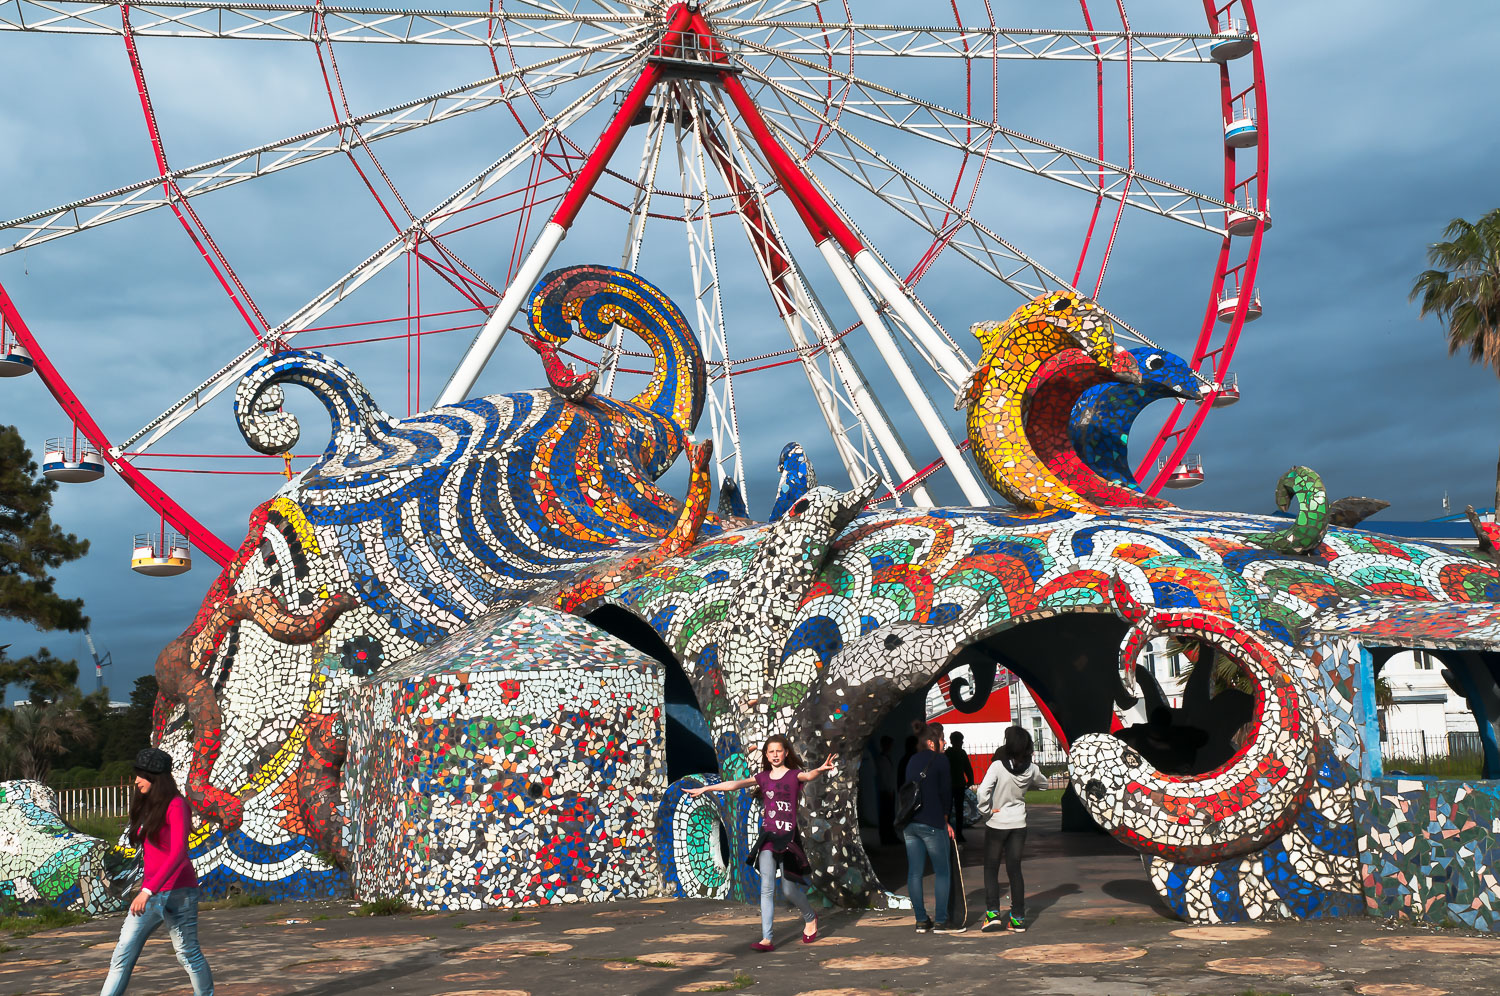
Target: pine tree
x=31 y=545
x=31 y=548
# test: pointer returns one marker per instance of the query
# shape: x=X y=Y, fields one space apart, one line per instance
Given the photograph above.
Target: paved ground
x=1097 y=932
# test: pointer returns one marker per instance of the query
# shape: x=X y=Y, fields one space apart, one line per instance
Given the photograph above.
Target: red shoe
x=809 y=938
x=763 y=946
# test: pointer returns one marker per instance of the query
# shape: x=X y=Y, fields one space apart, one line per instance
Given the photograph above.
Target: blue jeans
x=179 y=908
x=924 y=844
x=795 y=894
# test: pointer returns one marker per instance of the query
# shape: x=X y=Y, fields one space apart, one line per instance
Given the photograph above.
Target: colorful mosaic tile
x=365 y=668
x=43 y=860
x=518 y=762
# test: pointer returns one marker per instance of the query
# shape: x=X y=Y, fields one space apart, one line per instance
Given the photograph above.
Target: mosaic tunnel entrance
x=689 y=749
x=1070 y=665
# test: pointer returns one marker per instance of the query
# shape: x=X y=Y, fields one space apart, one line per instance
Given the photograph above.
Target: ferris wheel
x=805 y=170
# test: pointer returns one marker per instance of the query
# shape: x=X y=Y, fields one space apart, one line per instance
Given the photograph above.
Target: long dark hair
x=148 y=810
x=791 y=760
x=1015 y=754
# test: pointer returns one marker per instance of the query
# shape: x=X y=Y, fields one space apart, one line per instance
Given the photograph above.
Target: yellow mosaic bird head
x=1067 y=314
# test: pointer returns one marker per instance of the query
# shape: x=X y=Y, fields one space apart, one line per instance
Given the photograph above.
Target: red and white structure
x=685 y=126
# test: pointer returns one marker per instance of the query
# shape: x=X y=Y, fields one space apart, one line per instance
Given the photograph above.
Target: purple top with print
x=779 y=802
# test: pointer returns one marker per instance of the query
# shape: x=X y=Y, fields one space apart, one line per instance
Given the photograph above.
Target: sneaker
x=1018 y=924
x=992 y=921
x=949 y=928
x=924 y=926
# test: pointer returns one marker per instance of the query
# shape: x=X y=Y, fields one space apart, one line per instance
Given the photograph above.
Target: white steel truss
x=797 y=308
x=635 y=231
x=534 y=24
x=703 y=264
x=815 y=39
x=298 y=150
x=883 y=451
x=156 y=429
x=543 y=25
x=911 y=115
x=877 y=174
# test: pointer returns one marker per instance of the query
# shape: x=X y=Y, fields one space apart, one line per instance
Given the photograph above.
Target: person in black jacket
x=960 y=776
x=927 y=835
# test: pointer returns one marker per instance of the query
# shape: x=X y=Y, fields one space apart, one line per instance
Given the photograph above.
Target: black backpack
x=909 y=798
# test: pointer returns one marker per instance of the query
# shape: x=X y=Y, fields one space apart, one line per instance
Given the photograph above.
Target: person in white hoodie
x=1002 y=797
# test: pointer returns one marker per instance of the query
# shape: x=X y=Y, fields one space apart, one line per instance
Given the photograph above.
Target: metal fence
x=1425 y=744
x=1051 y=760
x=97 y=800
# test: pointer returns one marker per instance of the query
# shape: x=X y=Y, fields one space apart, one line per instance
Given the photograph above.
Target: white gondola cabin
x=71 y=461
x=1232 y=41
x=1231 y=300
x=161 y=554
x=15 y=361
x=1229 y=392
x=1187 y=474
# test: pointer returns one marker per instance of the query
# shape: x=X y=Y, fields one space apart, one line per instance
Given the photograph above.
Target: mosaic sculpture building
x=341 y=658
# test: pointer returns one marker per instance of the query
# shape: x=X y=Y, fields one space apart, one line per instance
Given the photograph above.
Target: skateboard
x=958 y=900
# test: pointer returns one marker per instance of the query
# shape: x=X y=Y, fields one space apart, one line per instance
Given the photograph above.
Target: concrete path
x=1097 y=931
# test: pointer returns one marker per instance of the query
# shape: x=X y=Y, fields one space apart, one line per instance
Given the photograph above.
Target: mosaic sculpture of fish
x=1103 y=415
x=1049 y=401
x=817 y=624
x=1011 y=445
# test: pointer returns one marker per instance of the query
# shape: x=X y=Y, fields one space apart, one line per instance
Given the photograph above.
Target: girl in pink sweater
x=159 y=823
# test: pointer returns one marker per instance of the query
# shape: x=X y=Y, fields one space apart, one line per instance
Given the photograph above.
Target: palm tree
x=36 y=734
x=1464 y=291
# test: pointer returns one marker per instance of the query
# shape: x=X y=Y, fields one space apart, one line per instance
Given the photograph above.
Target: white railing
x=97 y=800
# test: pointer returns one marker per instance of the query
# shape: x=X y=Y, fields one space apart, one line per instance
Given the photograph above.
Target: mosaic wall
x=816 y=624
x=43 y=860
x=1430 y=850
x=516 y=762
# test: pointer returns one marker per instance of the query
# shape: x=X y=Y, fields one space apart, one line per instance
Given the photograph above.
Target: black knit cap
x=153 y=761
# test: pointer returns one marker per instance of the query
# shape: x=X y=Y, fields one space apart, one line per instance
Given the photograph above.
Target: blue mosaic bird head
x=1166 y=373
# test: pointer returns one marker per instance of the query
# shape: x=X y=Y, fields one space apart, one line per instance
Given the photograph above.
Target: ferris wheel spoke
x=762 y=10
x=800 y=311
x=158 y=428
x=298 y=150
x=535 y=25
x=898 y=188
x=911 y=115
x=812 y=39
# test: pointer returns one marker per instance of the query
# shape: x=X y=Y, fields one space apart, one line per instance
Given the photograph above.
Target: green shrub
x=79 y=777
x=117 y=771
x=106 y=828
x=1456 y=765
x=387 y=906
x=24 y=920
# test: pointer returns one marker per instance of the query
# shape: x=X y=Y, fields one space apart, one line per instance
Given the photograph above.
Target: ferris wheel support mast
x=792 y=303
x=828 y=228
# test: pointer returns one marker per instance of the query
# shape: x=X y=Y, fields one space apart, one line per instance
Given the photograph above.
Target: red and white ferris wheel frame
x=1213 y=353
x=823 y=223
